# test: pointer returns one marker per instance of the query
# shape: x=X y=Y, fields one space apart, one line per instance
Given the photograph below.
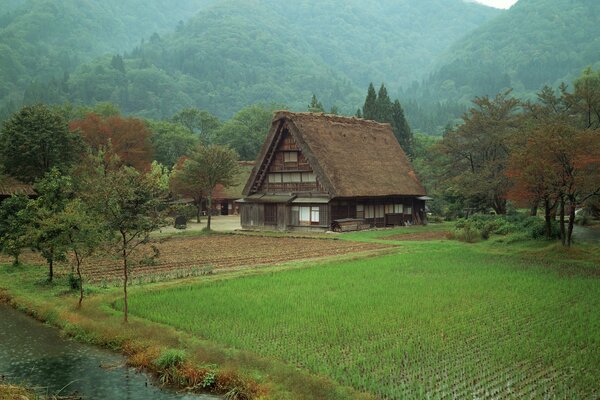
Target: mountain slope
x=239 y=52
x=42 y=40
x=536 y=42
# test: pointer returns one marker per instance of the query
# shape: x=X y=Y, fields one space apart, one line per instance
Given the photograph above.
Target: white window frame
x=290 y=157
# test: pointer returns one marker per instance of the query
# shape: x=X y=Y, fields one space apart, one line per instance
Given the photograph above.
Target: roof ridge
x=278 y=114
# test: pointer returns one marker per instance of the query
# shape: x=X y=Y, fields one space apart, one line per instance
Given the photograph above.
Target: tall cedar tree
x=35 y=140
x=369 y=110
x=210 y=166
x=379 y=107
x=128 y=138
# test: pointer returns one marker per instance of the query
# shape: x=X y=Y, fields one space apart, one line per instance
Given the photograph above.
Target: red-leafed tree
x=128 y=138
x=558 y=164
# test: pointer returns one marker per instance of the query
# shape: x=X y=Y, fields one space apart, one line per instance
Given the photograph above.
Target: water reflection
x=35 y=354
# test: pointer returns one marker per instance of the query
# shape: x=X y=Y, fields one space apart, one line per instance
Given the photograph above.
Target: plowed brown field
x=186 y=256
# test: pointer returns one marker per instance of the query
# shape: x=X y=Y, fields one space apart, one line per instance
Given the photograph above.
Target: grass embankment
x=14 y=392
x=492 y=319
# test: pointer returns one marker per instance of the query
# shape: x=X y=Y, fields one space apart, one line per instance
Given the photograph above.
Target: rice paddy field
x=437 y=319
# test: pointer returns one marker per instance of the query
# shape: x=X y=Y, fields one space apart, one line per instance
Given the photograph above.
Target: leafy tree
x=198 y=122
x=211 y=166
x=14 y=220
x=170 y=141
x=246 y=131
x=184 y=183
x=315 y=105
x=130 y=205
x=46 y=232
x=474 y=156
x=84 y=235
x=36 y=139
x=128 y=138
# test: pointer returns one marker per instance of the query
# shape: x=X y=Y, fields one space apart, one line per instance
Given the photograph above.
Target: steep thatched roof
x=10 y=186
x=351 y=156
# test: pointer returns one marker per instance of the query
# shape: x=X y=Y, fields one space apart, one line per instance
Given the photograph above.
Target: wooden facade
x=298 y=185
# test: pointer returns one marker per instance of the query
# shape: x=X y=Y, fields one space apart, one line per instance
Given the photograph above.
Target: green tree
x=131 y=206
x=474 y=156
x=170 y=141
x=46 y=232
x=211 y=166
x=84 y=234
x=369 y=110
x=199 y=122
x=383 y=106
x=315 y=105
x=246 y=131
x=185 y=184
x=36 y=139
x=401 y=128
x=14 y=220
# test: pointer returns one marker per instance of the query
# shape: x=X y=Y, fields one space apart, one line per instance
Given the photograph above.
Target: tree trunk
x=50 y=269
x=563 y=237
x=198 y=210
x=534 y=209
x=209 y=209
x=499 y=206
x=125 y=278
x=16 y=262
x=571 y=223
x=80 y=279
x=548 y=218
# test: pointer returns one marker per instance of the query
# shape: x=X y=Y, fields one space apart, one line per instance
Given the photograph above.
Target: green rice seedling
x=443 y=319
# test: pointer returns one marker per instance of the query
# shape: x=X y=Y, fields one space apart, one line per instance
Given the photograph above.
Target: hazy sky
x=498 y=3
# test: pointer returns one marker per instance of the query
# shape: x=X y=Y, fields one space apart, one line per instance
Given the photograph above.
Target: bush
x=486 y=225
x=170 y=358
x=468 y=234
x=74 y=282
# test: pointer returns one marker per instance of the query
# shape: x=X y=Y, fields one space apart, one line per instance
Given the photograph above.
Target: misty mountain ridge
x=437 y=56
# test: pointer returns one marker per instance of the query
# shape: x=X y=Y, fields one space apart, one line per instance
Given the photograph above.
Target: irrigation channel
x=36 y=355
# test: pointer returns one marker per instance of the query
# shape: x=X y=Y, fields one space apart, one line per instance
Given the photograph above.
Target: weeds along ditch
x=445 y=319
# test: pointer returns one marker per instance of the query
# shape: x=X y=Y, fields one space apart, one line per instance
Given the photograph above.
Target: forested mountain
x=231 y=54
x=42 y=40
x=534 y=43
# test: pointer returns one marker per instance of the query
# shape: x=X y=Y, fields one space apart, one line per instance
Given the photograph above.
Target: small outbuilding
x=319 y=172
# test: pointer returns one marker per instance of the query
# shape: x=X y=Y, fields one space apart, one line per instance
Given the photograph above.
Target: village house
x=225 y=198
x=321 y=172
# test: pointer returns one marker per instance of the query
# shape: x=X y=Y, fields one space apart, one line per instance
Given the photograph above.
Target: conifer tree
x=369 y=110
x=401 y=128
x=383 y=105
x=315 y=105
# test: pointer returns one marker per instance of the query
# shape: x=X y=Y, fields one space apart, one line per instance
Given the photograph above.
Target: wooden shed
x=315 y=170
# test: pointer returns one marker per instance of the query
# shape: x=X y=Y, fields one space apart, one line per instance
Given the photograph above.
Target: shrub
x=74 y=282
x=467 y=234
x=170 y=358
